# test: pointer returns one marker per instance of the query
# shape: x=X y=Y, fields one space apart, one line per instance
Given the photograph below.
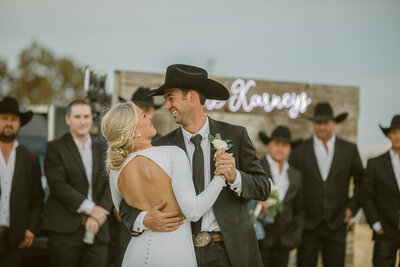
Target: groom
x=224 y=236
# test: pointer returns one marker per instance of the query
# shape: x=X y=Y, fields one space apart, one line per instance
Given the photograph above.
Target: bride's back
x=144 y=184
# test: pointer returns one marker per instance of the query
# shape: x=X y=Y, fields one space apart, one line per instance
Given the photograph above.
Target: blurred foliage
x=41 y=78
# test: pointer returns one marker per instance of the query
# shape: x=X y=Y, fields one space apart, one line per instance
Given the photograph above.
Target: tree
x=42 y=78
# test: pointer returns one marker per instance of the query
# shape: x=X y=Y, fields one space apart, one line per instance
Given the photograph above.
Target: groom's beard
x=8 y=135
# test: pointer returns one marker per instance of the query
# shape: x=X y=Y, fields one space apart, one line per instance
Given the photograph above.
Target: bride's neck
x=141 y=144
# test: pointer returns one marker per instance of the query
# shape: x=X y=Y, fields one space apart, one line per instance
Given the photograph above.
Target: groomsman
x=327 y=164
x=80 y=199
x=381 y=201
x=285 y=232
x=21 y=193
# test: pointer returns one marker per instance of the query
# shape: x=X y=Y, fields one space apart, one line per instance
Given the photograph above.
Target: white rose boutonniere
x=218 y=142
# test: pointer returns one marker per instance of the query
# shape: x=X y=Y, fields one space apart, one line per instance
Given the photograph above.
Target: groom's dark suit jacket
x=230 y=210
x=327 y=201
x=69 y=186
x=288 y=225
x=381 y=199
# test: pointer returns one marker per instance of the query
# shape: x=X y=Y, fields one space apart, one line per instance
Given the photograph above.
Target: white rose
x=271 y=202
x=218 y=143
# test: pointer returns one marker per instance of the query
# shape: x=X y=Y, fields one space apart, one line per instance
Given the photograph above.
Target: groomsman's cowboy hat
x=324 y=112
x=395 y=124
x=281 y=133
x=140 y=98
x=191 y=77
x=11 y=105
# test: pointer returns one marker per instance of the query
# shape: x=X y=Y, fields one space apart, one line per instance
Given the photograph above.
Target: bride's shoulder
x=173 y=151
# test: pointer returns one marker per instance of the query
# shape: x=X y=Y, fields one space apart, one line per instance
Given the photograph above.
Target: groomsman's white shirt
x=324 y=157
x=209 y=222
x=281 y=179
x=6 y=178
x=377 y=226
x=85 y=150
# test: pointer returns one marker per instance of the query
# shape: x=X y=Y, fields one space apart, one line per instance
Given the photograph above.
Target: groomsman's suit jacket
x=69 y=186
x=26 y=199
x=288 y=225
x=230 y=210
x=381 y=201
x=327 y=201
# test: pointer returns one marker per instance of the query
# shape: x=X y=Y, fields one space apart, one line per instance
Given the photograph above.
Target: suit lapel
x=290 y=189
x=336 y=156
x=178 y=139
x=19 y=162
x=97 y=160
x=389 y=167
x=312 y=157
x=215 y=128
x=73 y=150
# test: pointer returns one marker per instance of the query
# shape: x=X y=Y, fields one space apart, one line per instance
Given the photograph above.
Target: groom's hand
x=225 y=165
x=159 y=221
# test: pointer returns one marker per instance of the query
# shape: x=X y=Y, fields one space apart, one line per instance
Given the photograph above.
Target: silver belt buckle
x=202 y=239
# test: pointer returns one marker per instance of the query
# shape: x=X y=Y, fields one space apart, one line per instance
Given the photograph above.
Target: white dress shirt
x=324 y=157
x=6 y=178
x=377 y=226
x=85 y=150
x=280 y=178
x=209 y=222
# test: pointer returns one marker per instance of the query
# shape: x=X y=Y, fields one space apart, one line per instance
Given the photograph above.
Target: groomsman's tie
x=198 y=174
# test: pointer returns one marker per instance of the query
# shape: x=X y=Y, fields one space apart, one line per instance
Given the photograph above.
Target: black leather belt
x=3 y=231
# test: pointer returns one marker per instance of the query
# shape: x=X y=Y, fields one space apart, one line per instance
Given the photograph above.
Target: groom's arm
x=137 y=221
x=254 y=181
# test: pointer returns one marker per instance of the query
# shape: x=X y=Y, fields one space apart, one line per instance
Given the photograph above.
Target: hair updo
x=118 y=127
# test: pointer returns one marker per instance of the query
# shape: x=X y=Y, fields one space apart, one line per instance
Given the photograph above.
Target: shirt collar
x=87 y=144
x=394 y=155
x=203 y=131
x=275 y=164
x=329 y=144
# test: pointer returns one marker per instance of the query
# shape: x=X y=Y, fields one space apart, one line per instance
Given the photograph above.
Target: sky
x=338 y=42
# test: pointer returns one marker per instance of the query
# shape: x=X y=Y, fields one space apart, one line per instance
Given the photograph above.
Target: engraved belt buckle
x=202 y=239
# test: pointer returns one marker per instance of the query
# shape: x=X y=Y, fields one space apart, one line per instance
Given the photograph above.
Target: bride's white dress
x=169 y=248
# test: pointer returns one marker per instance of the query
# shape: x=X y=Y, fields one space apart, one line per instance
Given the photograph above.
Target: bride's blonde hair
x=118 y=126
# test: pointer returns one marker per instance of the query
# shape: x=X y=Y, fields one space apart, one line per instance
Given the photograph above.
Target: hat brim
x=25 y=117
x=265 y=139
x=387 y=130
x=210 y=88
x=145 y=103
x=338 y=119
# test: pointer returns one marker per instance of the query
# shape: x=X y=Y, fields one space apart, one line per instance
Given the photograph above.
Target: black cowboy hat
x=281 y=133
x=191 y=77
x=395 y=124
x=140 y=98
x=324 y=112
x=11 y=105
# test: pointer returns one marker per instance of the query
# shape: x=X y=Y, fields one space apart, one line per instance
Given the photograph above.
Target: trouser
x=8 y=258
x=385 y=250
x=68 y=250
x=331 y=242
x=212 y=255
x=119 y=240
x=276 y=255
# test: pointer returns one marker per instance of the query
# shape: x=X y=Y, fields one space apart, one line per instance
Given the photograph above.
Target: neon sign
x=294 y=102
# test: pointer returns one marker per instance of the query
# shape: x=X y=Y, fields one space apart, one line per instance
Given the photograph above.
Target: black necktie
x=198 y=174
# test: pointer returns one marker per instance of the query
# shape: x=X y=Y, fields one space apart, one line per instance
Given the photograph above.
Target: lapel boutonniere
x=218 y=142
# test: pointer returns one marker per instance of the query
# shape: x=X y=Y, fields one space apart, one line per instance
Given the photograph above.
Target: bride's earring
x=138 y=135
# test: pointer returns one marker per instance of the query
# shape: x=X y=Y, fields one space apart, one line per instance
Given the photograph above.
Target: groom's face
x=178 y=104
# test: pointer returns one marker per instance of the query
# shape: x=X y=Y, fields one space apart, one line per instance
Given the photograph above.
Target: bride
x=144 y=176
